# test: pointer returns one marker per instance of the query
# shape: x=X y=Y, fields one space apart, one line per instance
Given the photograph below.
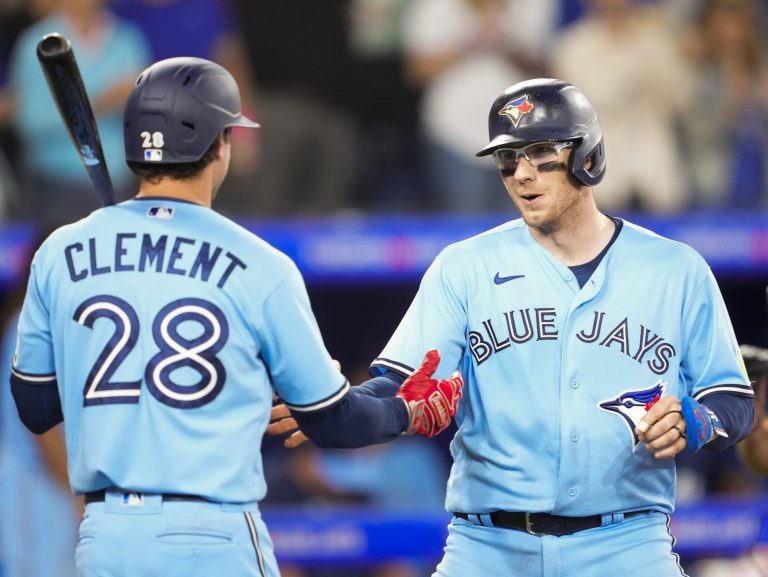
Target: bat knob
x=53 y=45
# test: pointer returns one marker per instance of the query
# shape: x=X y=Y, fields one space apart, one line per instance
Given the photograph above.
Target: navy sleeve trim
x=740 y=390
x=323 y=403
x=37 y=402
x=382 y=365
x=31 y=378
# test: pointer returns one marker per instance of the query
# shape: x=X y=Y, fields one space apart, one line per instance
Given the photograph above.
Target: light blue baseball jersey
x=167 y=327
x=556 y=377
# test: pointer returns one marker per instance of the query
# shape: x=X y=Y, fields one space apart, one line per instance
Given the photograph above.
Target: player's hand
x=702 y=423
x=663 y=429
x=281 y=422
x=431 y=402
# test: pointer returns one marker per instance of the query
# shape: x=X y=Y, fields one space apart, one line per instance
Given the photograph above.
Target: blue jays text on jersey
x=520 y=326
x=128 y=252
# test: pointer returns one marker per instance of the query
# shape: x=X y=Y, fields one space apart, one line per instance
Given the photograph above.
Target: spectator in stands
x=110 y=53
x=388 y=171
x=726 y=122
x=15 y=17
x=300 y=59
x=627 y=60
x=458 y=52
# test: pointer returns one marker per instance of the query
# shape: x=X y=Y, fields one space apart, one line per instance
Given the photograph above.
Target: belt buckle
x=529 y=526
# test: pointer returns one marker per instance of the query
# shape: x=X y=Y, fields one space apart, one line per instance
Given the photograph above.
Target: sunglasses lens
x=539 y=153
x=506 y=158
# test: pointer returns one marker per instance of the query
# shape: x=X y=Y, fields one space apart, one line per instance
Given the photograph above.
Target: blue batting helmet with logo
x=546 y=109
x=177 y=109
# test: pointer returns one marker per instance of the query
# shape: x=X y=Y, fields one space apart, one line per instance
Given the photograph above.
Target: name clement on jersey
x=171 y=255
x=520 y=326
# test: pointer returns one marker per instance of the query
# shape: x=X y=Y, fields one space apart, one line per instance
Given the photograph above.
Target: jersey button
x=574 y=436
x=575 y=384
x=572 y=491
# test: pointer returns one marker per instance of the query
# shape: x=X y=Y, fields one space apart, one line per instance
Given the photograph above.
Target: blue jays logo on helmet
x=516 y=109
x=633 y=405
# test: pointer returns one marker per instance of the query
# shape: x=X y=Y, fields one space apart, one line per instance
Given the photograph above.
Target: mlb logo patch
x=163 y=212
x=153 y=155
x=132 y=500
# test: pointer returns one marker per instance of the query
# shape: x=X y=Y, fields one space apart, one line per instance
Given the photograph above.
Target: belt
x=542 y=523
x=99 y=496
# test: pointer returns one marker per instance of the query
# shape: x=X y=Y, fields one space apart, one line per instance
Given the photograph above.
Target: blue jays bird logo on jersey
x=516 y=109
x=633 y=405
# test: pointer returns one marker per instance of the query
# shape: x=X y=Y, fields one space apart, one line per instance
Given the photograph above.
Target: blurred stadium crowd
x=377 y=106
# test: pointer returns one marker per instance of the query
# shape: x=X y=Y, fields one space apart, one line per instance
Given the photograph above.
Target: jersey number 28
x=176 y=352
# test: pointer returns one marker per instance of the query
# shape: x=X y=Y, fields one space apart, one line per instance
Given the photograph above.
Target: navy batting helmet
x=545 y=109
x=177 y=109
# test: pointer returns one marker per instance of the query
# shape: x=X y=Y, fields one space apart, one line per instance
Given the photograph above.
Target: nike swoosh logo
x=502 y=279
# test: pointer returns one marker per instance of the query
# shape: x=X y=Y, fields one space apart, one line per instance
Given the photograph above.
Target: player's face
x=539 y=186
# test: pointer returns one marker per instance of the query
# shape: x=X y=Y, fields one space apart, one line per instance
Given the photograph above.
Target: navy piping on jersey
x=255 y=540
x=168 y=199
x=584 y=271
x=741 y=390
x=391 y=365
x=33 y=379
x=322 y=403
x=672 y=547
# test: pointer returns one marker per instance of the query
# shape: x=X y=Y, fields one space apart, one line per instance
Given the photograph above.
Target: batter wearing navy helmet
x=593 y=352
x=159 y=331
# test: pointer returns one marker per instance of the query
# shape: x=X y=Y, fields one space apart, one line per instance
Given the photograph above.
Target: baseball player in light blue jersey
x=593 y=351
x=159 y=331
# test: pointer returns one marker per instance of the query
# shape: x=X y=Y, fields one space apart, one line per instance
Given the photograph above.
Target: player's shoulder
x=509 y=234
x=513 y=231
x=640 y=236
x=660 y=250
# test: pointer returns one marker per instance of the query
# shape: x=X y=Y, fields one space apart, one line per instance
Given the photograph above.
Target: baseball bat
x=66 y=85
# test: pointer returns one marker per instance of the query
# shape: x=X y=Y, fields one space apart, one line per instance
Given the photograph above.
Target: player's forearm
x=736 y=414
x=385 y=385
x=357 y=420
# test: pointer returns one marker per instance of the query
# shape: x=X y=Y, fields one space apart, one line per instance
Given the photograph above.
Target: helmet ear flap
x=587 y=162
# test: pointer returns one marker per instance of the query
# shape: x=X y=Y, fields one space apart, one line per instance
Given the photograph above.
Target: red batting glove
x=431 y=402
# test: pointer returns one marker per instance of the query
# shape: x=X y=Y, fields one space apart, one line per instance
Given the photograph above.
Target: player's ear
x=223 y=140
